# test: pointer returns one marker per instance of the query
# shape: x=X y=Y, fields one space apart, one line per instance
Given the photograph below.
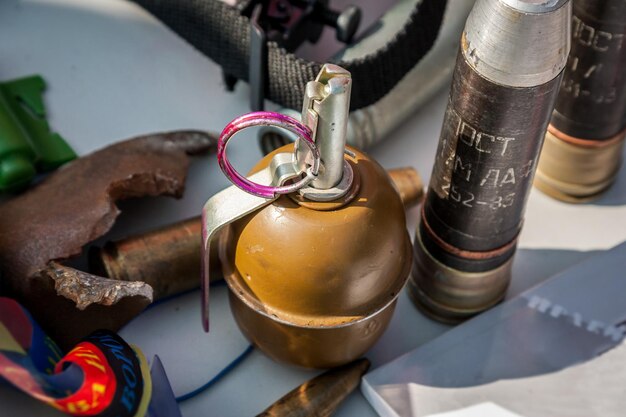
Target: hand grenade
x=313 y=243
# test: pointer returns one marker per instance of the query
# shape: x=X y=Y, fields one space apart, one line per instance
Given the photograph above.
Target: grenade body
x=315 y=284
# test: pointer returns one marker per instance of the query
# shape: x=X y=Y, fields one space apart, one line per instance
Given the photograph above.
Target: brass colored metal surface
x=577 y=170
x=320 y=396
x=409 y=185
x=233 y=204
x=168 y=258
x=316 y=288
x=450 y=295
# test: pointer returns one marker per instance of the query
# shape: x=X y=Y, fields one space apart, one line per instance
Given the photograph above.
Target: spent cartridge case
x=503 y=91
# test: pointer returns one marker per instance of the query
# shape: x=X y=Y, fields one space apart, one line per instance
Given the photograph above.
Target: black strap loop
x=223 y=34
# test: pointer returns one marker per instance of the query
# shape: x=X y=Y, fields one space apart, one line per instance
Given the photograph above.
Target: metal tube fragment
x=583 y=148
x=504 y=86
x=168 y=258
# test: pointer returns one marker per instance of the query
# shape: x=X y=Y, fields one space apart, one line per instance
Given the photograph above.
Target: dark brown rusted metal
x=73 y=206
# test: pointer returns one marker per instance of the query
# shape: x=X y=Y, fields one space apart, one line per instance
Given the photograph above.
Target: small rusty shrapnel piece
x=168 y=259
x=320 y=396
x=504 y=86
x=582 y=152
x=73 y=206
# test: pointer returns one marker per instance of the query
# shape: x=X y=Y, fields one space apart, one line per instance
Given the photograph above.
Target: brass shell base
x=577 y=170
x=449 y=295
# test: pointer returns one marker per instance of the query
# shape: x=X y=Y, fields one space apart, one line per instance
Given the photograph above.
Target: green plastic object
x=27 y=146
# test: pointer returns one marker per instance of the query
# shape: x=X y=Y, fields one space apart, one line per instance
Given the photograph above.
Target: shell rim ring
x=265 y=118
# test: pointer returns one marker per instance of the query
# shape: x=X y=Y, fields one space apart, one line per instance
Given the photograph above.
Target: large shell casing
x=583 y=148
x=315 y=284
x=503 y=91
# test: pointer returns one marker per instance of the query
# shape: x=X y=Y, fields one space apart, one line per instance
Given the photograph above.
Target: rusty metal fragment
x=85 y=289
x=72 y=207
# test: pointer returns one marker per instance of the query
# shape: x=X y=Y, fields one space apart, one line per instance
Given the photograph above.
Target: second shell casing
x=315 y=284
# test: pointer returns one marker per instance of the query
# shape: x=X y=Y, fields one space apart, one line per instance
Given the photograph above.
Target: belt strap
x=223 y=34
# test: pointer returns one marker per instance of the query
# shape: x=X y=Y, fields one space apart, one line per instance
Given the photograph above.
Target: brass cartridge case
x=408 y=184
x=450 y=295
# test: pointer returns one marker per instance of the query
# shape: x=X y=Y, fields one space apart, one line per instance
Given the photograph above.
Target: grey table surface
x=114 y=72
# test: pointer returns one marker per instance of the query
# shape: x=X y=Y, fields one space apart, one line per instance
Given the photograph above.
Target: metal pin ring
x=264 y=118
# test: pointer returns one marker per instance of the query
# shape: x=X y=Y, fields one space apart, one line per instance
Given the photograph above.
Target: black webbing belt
x=223 y=34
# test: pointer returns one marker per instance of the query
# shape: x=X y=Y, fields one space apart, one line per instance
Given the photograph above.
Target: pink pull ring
x=266 y=118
